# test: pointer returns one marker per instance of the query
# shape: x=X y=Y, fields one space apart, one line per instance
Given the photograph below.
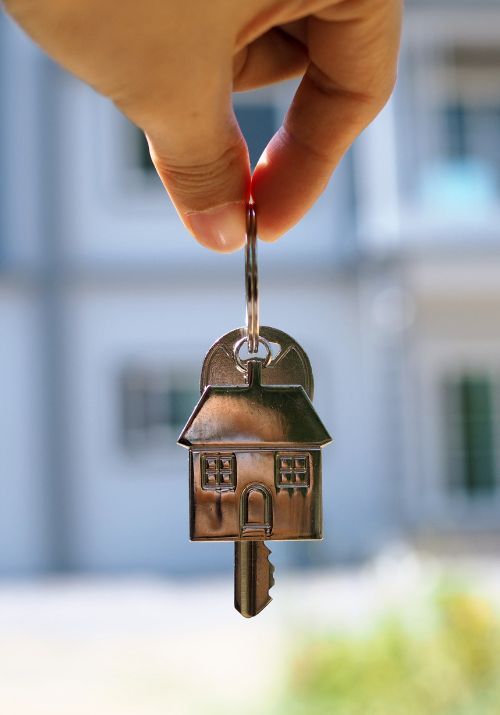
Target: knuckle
x=204 y=179
x=370 y=100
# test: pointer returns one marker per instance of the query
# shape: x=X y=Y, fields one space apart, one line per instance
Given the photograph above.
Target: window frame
x=392 y=209
x=218 y=472
x=142 y=441
x=429 y=505
x=292 y=470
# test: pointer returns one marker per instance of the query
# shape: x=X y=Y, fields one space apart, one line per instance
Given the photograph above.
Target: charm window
x=218 y=472
x=292 y=471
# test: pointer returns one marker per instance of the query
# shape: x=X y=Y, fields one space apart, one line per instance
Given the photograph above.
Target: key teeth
x=271 y=577
x=250 y=596
x=267 y=553
x=272 y=570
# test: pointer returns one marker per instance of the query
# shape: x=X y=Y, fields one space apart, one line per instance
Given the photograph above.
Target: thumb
x=202 y=160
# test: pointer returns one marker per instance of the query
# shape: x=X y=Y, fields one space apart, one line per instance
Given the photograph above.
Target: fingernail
x=221 y=228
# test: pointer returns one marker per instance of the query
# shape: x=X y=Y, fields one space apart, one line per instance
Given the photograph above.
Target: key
x=255 y=459
x=253 y=572
x=254 y=442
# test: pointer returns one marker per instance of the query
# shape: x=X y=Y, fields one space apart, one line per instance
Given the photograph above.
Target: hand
x=171 y=67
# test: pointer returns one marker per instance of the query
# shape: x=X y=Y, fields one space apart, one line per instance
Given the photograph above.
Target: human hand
x=171 y=67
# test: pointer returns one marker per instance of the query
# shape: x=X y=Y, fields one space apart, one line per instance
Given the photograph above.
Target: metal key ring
x=242 y=364
x=251 y=281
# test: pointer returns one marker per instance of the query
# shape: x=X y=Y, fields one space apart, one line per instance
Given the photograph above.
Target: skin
x=171 y=68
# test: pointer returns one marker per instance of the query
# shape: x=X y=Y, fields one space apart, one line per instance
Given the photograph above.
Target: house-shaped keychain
x=255 y=462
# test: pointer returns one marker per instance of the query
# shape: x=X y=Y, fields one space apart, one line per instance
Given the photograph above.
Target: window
x=137 y=157
x=258 y=124
x=218 y=472
x=471 y=116
x=471 y=421
x=155 y=405
x=142 y=153
x=463 y=144
x=292 y=471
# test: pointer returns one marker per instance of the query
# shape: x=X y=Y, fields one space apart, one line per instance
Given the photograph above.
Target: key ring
x=251 y=281
x=242 y=365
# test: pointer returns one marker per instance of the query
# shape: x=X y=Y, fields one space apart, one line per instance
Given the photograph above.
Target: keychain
x=254 y=443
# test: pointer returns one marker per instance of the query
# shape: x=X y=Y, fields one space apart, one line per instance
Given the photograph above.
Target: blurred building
x=391 y=284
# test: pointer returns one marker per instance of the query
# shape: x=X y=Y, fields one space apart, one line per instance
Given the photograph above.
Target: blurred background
x=107 y=307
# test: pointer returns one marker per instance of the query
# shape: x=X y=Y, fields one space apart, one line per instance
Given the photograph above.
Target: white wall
x=23 y=535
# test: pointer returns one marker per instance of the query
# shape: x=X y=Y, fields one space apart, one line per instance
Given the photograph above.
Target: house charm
x=255 y=463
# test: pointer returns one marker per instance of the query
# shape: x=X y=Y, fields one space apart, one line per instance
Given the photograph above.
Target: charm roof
x=254 y=415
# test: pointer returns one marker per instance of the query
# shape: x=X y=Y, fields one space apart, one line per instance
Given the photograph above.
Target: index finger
x=353 y=47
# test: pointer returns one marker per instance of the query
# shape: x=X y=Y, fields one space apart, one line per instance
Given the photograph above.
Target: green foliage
x=453 y=668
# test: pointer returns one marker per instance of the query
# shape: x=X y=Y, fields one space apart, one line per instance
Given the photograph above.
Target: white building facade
x=107 y=307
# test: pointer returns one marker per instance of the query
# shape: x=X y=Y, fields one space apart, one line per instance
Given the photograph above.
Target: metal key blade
x=253 y=577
